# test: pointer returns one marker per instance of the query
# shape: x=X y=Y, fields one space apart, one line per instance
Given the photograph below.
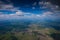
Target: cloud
x=51 y=15
x=8 y=1
x=6 y=6
x=23 y=15
x=20 y=13
x=34 y=4
x=33 y=7
x=9 y=7
x=54 y=13
x=48 y=13
x=48 y=5
x=1 y=13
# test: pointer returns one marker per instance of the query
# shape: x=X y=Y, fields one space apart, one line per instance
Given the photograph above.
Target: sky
x=39 y=9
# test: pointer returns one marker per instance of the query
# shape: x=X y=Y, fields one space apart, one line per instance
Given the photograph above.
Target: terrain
x=29 y=30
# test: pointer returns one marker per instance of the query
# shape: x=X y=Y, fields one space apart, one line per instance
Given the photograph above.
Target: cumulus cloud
x=33 y=7
x=48 y=13
x=8 y=1
x=35 y=3
x=9 y=7
x=19 y=13
x=1 y=13
x=53 y=13
x=48 y=5
x=23 y=15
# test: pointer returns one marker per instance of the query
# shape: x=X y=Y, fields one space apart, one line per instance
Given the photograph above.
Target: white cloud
x=33 y=7
x=9 y=7
x=57 y=6
x=1 y=13
x=1 y=2
x=48 y=5
x=8 y=1
x=19 y=13
x=48 y=13
x=54 y=12
x=35 y=3
x=44 y=3
x=40 y=3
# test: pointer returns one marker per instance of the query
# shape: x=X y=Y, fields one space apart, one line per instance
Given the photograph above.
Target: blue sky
x=40 y=9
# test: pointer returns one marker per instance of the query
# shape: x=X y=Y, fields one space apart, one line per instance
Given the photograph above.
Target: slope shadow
x=55 y=36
